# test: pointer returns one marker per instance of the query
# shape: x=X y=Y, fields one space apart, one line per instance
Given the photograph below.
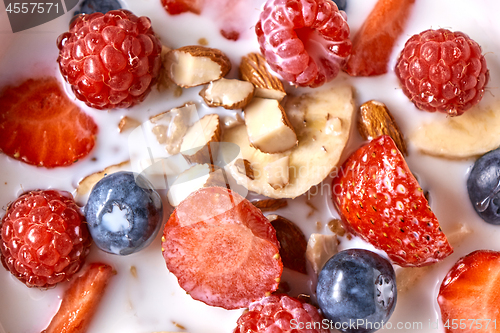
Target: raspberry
x=443 y=71
x=111 y=60
x=304 y=41
x=280 y=313
x=43 y=238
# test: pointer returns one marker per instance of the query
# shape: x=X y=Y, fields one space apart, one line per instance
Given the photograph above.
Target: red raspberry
x=304 y=41
x=111 y=60
x=443 y=71
x=280 y=313
x=44 y=239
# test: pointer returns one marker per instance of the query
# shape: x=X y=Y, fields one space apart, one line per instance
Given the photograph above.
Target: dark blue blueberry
x=102 y=6
x=483 y=186
x=341 y=4
x=357 y=291
x=123 y=213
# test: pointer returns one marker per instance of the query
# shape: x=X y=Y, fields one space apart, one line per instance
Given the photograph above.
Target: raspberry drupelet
x=44 y=239
x=444 y=71
x=304 y=41
x=111 y=60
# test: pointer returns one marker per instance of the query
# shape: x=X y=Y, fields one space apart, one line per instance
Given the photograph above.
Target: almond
x=269 y=205
x=293 y=243
x=253 y=69
x=320 y=248
x=244 y=167
x=201 y=140
x=230 y=94
x=127 y=123
x=196 y=177
x=171 y=126
x=268 y=127
x=376 y=120
x=194 y=65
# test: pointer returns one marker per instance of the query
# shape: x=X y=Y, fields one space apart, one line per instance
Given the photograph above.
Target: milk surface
x=144 y=297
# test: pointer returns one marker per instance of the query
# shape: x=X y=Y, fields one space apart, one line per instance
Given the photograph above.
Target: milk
x=144 y=297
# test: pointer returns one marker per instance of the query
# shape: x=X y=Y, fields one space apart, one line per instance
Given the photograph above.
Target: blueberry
x=124 y=213
x=357 y=291
x=341 y=4
x=102 y=6
x=483 y=186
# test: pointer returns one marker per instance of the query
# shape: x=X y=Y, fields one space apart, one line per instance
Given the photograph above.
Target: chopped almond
x=253 y=69
x=191 y=66
x=200 y=141
x=171 y=126
x=230 y=94
x=320 y=248
x=268 y=127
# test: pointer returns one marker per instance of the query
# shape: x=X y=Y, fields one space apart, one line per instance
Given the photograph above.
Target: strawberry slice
x=469 y=295
x=373 y=43
x=222 y=249
x=380 y=201
x=41 y=126
x=80 y=301
x=175 y=7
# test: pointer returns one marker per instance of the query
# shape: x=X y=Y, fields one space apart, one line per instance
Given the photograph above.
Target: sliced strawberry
x=469 y=295
x=40 y=125
x=381 y=201
x=373 y=43
x=175 y=7
x=222 y=249
x=80 y=301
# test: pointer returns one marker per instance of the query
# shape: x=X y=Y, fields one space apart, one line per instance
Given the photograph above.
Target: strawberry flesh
x=373 y=43
x=222 y=249
x=41 y=126
x=81 y=300
x=470 y=291
x=381 y=201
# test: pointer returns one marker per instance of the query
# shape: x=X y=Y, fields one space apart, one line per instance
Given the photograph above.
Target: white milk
x=153 y=301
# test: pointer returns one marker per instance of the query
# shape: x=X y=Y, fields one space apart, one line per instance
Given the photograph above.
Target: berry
x=80 y=301
x=101 y=6
x=381 y=201
x=306 y=42
x=222 y=249
x=175 y=7
x=111 y=60
x=357 y=286
x=41 y=126
x=280 y=313
x=483 y=186
x=124 y=213
x=44 y=239
x=470 y=291
x=441 y=70
x=373 y=43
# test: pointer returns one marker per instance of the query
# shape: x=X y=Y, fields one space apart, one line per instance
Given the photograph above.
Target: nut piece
x=196 y=177
x=293 y=243
x=171 y=126
x=268 y=127
x=191 y=66
x=164 y=81
x=244 y=167
x=253 y=69
x=320 y=248
x=200 y=142
x=269 y=205
x=376 y=120
x=127 y=123
x=277 y=174
x=230 y=94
